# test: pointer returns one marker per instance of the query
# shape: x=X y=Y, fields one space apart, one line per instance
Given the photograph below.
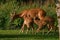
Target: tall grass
x=11 y=6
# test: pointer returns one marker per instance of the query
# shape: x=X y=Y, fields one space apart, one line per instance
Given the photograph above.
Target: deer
x=49 y=21
x=29 y=16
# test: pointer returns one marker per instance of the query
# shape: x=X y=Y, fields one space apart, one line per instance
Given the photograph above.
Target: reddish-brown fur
x=33 y=13
x=29 y=15
x=27 y=21
x=47 y=20
x=37 y=12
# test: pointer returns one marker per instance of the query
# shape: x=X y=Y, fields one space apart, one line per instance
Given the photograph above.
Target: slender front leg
x=27 y=28
x=39 y=29
x=32 y=29
x=32 y=26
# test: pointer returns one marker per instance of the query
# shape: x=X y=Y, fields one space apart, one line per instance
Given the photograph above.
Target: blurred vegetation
x=17 y=35
x=8 y=6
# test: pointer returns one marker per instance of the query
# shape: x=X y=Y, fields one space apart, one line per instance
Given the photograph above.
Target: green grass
x=27 y=39
x=17 y=35
x=8 y=7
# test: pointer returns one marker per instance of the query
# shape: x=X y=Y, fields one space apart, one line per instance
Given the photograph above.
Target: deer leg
x=55 y=28
x=49 y=29
x=48 y=26
x=38 y=29
x=27 y=28
x=32 y=27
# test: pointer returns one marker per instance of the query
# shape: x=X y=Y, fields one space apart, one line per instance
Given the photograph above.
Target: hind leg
x=40 y=25
x=50 y=28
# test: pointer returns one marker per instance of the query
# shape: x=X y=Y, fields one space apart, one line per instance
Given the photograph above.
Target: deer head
x=12 y=16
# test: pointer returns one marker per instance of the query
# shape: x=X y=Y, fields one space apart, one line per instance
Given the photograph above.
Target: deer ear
x=12 y=14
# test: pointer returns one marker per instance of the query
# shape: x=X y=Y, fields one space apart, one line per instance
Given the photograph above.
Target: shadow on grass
x=38 y=35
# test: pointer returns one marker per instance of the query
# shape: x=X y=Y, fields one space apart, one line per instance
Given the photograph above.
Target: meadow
x=12 y=32
x=17 y=35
